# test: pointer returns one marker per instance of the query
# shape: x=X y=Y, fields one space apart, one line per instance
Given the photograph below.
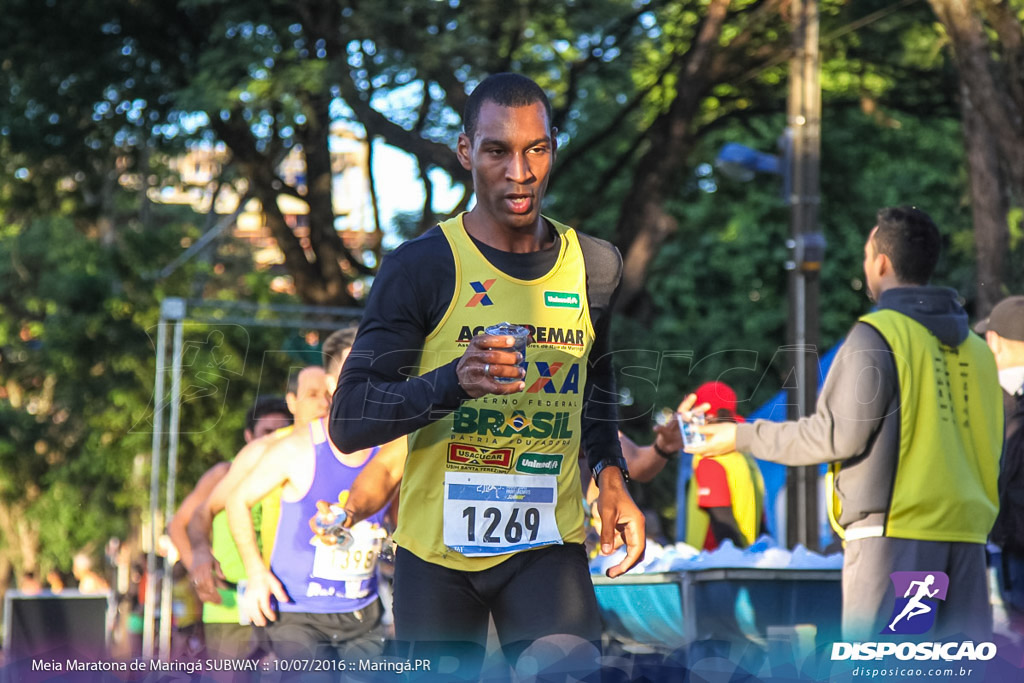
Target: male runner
x=326 y=593
x=491 y=523
x=268 y=415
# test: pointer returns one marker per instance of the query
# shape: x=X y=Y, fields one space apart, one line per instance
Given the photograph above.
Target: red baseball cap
x=721 y=397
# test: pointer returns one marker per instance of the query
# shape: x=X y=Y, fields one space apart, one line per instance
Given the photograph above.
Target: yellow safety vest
x=746 y=498
x=951 y=435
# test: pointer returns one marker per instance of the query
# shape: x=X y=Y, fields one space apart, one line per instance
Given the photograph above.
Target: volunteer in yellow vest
x=216 y=564
x=911 y=413
x=724 y=500
x=725 y=497
x=490 y=521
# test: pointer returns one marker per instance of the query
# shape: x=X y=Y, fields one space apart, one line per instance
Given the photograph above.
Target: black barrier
x=54 y=626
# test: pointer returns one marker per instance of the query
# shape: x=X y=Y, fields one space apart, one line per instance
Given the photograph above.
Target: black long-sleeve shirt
x=379 y=396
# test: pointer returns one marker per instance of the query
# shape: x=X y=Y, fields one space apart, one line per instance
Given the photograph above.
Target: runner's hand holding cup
x=493 y=362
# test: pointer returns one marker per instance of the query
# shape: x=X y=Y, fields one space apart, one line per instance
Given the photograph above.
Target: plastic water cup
x=522 y=336
x=331 y=527
x=688 y=428
x=665 y=416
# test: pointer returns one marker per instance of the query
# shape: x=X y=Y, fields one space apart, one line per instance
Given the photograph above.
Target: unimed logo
x=561 y=300
x=917 y=599
x=540 y=463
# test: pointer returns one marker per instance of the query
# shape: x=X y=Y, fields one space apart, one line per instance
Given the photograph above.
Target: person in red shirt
x=725 y=497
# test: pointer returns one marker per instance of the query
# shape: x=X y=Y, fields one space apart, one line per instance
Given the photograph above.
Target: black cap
x=1006 y=320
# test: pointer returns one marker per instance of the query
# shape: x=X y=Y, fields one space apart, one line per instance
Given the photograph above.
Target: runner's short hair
x=266 y=405
x=506 y=89
x=335 y=345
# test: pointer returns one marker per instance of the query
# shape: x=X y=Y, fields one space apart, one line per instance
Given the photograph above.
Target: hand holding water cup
x=691 y=419
x=494 y=362
x=713 y=439
x=329 y=525
x=673 y=429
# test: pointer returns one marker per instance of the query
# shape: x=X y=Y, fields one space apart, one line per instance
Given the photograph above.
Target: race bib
x=496 y=514
x=353 y=565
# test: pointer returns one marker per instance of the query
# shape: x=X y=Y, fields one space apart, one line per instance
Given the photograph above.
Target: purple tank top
x=320 y=578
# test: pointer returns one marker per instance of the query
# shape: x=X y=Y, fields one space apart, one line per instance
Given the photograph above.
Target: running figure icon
x=915 y=607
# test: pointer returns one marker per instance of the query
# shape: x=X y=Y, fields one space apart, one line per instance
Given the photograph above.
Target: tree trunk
x=991 y=73
x=260 y=169
x=644 y=225
x=989 y=208
x=335 y=264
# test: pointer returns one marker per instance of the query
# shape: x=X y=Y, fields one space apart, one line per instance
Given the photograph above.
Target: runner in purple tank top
x=319 y=596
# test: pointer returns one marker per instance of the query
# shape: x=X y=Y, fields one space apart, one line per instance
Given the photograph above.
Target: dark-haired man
x=491 y=524
x=268 y=415
x=911 y=419
x=216 y=567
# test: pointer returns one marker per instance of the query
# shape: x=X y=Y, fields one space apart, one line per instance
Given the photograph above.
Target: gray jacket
x=857 y=418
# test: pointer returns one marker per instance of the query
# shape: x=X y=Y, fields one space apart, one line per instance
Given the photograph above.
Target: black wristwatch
x=668 y=455
x=619 y=462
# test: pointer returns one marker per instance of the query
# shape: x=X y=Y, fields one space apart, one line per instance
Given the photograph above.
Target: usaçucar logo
x=917 y=599
x=464 y=455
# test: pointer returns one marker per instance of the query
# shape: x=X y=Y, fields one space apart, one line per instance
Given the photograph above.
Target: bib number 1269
x=512 y=531
x=494 y=514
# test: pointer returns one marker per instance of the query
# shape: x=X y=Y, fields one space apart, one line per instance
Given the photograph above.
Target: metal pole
x=810 y=266
x=804 y=133
x=154 y=486
x=166 y=606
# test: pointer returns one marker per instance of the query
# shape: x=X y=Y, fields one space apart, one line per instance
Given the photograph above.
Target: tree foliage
x=644 y=94
x=77 y=363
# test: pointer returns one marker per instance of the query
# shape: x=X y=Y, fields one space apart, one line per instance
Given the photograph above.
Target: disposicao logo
x=916 y=604
x=914 y=612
